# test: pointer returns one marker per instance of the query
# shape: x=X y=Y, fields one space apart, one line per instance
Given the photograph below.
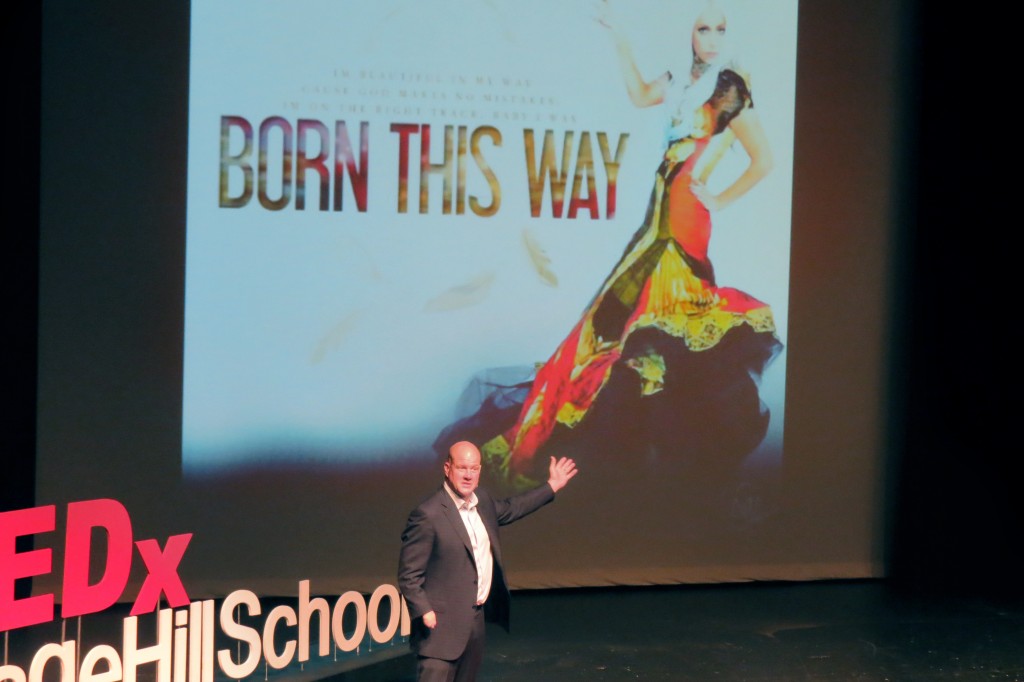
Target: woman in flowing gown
x=664 y=360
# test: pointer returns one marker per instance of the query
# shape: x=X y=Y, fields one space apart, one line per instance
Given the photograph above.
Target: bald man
x=450 y=568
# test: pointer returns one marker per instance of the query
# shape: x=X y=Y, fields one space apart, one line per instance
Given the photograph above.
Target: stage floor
x=862 y=631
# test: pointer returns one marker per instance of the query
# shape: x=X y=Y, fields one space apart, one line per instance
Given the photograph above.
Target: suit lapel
x=451 y=512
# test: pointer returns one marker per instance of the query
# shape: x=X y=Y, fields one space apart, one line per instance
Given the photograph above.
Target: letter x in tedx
x=163 y=573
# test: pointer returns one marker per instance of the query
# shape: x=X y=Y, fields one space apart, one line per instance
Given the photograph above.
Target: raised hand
x=560 y=472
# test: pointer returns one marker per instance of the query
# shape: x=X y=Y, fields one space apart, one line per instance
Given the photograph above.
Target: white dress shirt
x=479 y=540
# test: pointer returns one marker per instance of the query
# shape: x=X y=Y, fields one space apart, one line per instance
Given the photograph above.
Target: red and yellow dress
x=676 y=357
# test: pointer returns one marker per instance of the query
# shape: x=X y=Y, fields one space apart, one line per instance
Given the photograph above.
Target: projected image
x=664 y=362
x=413 y=223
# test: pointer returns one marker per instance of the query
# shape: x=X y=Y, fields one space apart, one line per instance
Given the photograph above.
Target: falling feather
x=334 y=338
x=463 y=295
x=540 y=259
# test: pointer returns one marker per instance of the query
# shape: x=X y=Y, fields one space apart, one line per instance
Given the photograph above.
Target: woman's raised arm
x=642 y=93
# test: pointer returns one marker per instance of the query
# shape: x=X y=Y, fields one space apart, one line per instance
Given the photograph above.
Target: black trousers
x=464 y=668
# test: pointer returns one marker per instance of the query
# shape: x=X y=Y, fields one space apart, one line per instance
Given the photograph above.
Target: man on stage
x=450 y=568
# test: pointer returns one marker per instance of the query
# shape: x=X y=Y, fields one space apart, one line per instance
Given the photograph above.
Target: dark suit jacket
x=436 y=570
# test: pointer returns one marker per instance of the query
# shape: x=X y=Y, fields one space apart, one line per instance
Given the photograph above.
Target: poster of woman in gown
x=545 y=227
x=664 y=364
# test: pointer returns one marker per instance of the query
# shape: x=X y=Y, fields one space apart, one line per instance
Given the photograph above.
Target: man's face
x=462 y=469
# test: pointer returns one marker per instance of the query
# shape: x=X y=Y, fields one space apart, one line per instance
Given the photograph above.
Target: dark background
x=956 y=517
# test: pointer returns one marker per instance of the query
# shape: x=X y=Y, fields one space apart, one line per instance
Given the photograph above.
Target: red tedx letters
x=79 y=596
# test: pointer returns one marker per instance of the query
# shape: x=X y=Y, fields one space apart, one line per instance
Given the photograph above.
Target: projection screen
x=351 y=234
